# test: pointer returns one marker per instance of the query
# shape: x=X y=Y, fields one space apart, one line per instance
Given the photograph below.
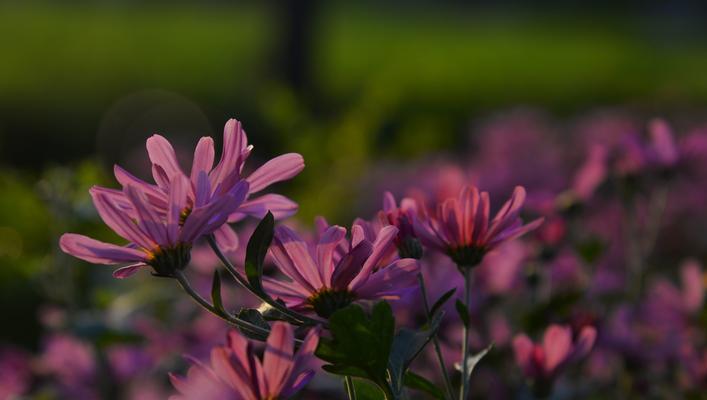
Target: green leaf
x=407 y=345
x=440 y=302
x=359 y=342
x=216 y=293
x=463 y=312
x=472 y=360
x=366 y=390
x=257 y=249
x=417 y=382
x=254 y=317
x=345 y=370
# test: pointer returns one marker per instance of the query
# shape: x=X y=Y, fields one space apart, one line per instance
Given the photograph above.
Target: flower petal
x=162 y=154
x=278 y=359
x=280 y=206
x=557 y=345
x=292 y=256
x=130 y=270
x=148 y=220
x=391 y=282
x=328 y=242
x=177 y=202
x=119 y=221
x=203 y=158
x=351 y=265
x=381 y=250
x=278 y=169
x=98 y=252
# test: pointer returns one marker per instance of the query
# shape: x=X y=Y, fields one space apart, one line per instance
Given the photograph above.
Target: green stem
x=295 y=316
x=435 y=341
x=182 y=279
x=350 y=389
x=464 y=387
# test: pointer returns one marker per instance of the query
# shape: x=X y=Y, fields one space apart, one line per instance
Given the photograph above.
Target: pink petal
x=328 y=242
x=557 y=345
x=294 y=295
x=278 y=358
x=226 y=238
x=350 y=265
x=234 y=142
x=162 y=154
x=381 y=249
x=508 y=213
x=389 y=204
x=662 y=142
x=206 y=219
x=177 y=202
x=148 y=220
x=278 y=169
x=585 y=342
x=514 y=232
x=119 y=221
x=154 y=195
x=693 y=285
x=280 y=206
x=130 y=270
x=97 y=252
x=427 y=234
x=390 y=282
x=292 y=256
x=203 y=158
x=523 y=350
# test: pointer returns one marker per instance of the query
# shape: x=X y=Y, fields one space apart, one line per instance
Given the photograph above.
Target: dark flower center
x=166 y=260
x=467 y=256
x=327 y=301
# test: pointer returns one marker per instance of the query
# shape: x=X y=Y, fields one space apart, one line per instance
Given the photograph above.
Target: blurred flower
x=402 y=218
x=545 y=360
x=460 y=226
x=72 y=363
x=160 y=240
x=337 y=272
x=236 y=373
x=15 y=374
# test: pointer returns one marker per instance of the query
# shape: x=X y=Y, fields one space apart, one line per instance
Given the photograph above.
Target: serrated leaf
x=463 y=312
x=254 y=317
x=216 y=293
x=417 y=382
x=441 y=301
x=472 y=360
x=257 y=249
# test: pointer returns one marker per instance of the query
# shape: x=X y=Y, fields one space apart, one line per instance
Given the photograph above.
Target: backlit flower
x=162 y=240
x=235 y=373
x=460 y=226
x=209 y=182
x=336 y=272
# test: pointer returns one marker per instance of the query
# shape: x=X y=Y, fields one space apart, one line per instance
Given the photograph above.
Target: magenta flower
x=460 y=227
x=209 y=182
x=335 y=272
x=402 y=218
x=160 y=239
x=235 y=373
x=543 y=361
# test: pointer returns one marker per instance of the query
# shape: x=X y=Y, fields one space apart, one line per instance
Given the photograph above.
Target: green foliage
x=463 y=312
x=417 y=382
x=256 y=318
x=441 y=301
x=257 y=250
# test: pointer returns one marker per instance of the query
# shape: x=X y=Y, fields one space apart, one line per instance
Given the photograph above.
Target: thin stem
x=463 y=388
x=435 y=341
x=297 y=317
x=350 y=389
x=182 y=279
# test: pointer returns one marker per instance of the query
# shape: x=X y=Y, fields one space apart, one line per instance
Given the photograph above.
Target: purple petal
x=119 y=221
x=292 y=255
x=97 y=252
x=585 y=342
x=278 y=169
x=203 y=158
x=234 y=142
x=280 y=206
x=328 y=242
x=226 y=238
x=351 y=265
x=148 y=220
x=154 y=195
x=390 y=282
x=381 y=249
x=177 y=202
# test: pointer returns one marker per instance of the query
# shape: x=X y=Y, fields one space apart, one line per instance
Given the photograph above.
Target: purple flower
x=461 y=228
x=162 y=240
x=544 y=360
x=335 y=272
x=15 y=373
x=209 y=183
x=402 y=218
x=236 y=373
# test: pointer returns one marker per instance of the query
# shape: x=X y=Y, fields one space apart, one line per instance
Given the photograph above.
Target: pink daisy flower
x=335 y=271
x=543 y=361
x=461 y=228
x=235 y=373
x=402 y=217
x=160 y=239
x=209 y=182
